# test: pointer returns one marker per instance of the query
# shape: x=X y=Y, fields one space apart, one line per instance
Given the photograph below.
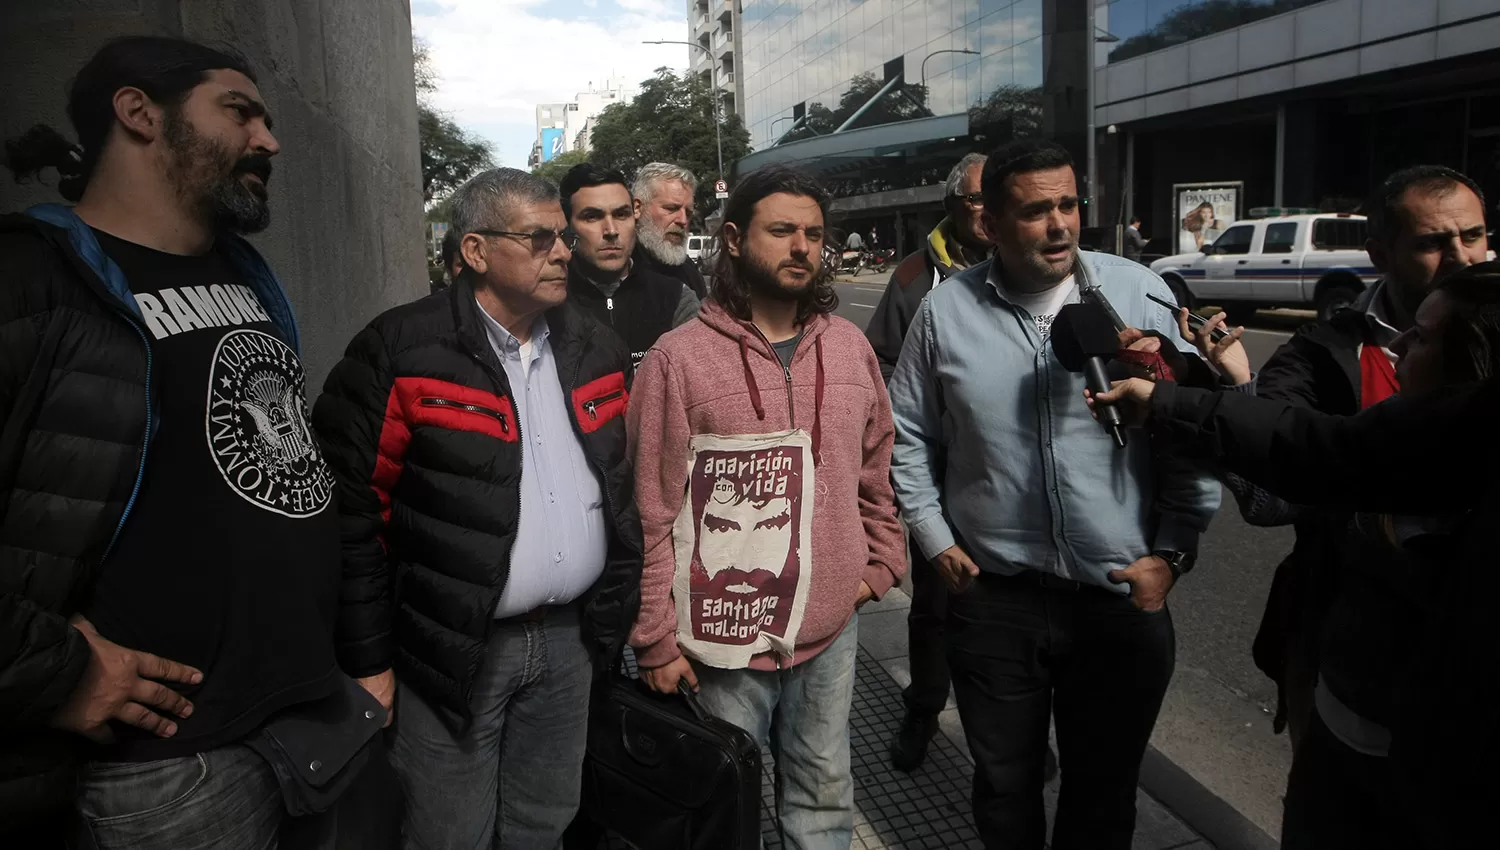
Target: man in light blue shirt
x=1059 y=547
x=561 y=540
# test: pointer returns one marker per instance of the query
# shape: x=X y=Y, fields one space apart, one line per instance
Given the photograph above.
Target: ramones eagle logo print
x=257 y=426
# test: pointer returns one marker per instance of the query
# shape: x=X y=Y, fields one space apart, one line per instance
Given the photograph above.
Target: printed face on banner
x=747 y=509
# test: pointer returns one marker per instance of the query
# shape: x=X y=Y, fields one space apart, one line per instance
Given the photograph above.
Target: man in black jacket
x=628 y=297
x=1425 y=223
x=1437 y=456
x=492 y=552
x=161 y=495
x=664 y=212
x=956 y=243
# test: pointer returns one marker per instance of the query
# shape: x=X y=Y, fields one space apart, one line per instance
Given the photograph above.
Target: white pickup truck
x=1291 y=261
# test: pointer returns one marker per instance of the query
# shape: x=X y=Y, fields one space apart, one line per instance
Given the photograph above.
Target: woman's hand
x=1227 y=355
x=1131 y=397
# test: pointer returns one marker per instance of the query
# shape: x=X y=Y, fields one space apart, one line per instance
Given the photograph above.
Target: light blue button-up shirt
x=995 y=447
x=561 y=541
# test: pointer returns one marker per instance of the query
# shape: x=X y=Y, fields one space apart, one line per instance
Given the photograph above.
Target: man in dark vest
x=638 y=303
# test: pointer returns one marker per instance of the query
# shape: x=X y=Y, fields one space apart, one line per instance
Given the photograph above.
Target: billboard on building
x=1205 y=210
x=552 y=143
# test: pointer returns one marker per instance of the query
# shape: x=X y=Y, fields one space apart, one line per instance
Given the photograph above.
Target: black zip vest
x=640 y=311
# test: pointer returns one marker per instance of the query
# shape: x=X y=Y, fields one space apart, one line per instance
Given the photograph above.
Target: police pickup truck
x=1300 y=261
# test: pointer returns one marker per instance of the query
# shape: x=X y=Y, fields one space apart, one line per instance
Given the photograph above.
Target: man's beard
x=1035 y=273
x=654 y=240
x=210 y=180
x=763 y=282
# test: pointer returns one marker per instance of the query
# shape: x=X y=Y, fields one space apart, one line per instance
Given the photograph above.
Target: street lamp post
x=938 y=53
x=713 y=70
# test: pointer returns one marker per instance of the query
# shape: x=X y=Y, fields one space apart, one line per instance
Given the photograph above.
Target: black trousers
x=1339 y=797
x=927 y=652
x=1028 y=649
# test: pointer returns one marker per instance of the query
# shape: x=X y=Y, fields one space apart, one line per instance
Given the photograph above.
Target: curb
x=1200 y=808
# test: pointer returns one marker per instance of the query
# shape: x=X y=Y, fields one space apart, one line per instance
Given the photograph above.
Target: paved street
x=1216 y=723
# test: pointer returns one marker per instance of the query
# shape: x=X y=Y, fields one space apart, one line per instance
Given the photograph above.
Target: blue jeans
x=801 y=716
x=513 y=780
x=224 y=799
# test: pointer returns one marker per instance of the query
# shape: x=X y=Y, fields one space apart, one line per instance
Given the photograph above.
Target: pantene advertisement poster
x=1205 y=210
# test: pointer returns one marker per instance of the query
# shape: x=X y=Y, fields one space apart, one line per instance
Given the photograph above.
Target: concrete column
x=1067 y=45
x=346 y=197
x=1297 y=178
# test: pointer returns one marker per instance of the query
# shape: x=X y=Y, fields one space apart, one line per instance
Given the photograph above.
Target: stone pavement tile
x=883 y=634
x=895 y=600
x=925 y=809
x=899 y=669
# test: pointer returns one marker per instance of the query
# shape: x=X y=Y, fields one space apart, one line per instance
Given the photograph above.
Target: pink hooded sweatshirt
x=718 y=375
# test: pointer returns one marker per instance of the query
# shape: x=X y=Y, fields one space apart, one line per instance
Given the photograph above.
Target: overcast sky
x=497 y=59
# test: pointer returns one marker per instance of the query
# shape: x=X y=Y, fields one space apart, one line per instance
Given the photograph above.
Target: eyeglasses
x=975 y=200
x=542 y=239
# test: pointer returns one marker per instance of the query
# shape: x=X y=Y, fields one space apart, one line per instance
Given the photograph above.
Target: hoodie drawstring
x=817 y=434
x=760 y=412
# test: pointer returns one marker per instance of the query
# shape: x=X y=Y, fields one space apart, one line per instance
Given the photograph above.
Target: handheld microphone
x=1093 y=293
x=1083 y=338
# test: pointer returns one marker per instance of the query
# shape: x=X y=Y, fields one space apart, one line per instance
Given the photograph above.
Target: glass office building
x=880 y=98
x=1143 y=26
x=1306 y=104
x=811 y=51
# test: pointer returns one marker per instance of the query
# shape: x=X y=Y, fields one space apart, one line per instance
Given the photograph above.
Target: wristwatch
x=1178 y=562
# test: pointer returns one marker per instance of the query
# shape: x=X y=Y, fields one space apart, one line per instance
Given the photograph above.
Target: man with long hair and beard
x=169 y=567
x=763 y=401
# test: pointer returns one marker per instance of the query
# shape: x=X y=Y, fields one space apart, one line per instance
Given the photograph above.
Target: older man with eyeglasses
x=492 y=551
x=958 y=241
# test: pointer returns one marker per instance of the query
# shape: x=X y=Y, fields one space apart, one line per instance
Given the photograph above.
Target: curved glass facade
x=1144 y=26
x=826 y=54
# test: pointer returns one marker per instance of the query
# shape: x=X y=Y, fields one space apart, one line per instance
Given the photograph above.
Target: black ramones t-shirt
x=229 y=558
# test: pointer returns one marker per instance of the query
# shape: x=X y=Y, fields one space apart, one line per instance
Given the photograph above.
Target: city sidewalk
x=930 y=807
x=927 y=809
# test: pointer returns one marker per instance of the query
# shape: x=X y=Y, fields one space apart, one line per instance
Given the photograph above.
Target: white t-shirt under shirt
x=1043 y=306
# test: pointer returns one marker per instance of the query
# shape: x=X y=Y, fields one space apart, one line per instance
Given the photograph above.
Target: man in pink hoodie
x=761 y=434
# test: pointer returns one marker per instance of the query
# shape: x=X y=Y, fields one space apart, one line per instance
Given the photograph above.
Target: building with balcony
x=714 y=25
x=1296 y=103
x=881 y=97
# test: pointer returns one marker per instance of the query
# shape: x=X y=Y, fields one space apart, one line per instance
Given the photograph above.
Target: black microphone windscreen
x=1081 y=331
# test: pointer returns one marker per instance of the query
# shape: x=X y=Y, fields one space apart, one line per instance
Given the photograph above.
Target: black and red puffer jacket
x=429 y=493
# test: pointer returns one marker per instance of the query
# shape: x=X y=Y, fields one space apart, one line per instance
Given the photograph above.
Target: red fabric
x=390 y=454
x=417 y=402
x=609 y=399
x=1377 y=377
x=427 y=401
x=1152 y=362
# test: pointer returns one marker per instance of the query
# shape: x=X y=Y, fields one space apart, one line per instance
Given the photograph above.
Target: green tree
x=671 y=120
x=1009 y=112
x=559 y=165
x=449 y=154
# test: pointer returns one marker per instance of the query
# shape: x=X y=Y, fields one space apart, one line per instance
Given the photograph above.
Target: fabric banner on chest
x=744 y=546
